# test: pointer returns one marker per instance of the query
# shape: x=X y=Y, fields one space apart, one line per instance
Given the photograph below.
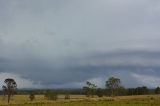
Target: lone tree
x=113 y=84
x=89 y=89
x=9 y=88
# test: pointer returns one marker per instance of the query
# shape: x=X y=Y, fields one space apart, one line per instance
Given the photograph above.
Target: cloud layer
x=63 y=43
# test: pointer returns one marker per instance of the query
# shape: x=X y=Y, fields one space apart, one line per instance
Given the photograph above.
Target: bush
x=31 y=96
x=50 y=95
x=53 y=96
x=99 y=92
x=67 y=96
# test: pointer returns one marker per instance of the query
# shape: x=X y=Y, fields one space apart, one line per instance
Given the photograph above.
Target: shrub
x=67 y=96
x=31 y=96
x=50 y=95
x=99 y=92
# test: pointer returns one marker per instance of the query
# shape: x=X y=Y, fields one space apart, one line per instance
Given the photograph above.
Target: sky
x=64 y=43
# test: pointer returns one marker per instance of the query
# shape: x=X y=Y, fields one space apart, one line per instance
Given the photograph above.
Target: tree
x=31 y=96
x=121 y=91
x=141 y=90
x=9 y=88
x=157 y=90
x=131 y=91
x=113 y=84
x=89 y=89
x=100 y=92
x=144 y=90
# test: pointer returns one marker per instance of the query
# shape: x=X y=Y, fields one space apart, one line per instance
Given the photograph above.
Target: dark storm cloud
x=63 y=43
x=78 y=70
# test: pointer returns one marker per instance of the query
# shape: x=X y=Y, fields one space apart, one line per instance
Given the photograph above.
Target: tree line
x=113 y=87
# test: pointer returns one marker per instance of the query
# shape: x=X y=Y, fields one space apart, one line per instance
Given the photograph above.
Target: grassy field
x=79 y=100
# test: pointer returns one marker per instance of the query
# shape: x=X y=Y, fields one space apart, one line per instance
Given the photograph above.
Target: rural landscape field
x=80 y=100
x=79 y=52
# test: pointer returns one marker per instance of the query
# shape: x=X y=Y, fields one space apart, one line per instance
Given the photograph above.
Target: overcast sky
x=63 y=43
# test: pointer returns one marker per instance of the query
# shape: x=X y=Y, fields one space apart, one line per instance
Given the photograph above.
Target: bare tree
x=9 y=88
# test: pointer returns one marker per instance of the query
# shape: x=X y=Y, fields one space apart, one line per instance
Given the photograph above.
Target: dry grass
x=81 y=100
